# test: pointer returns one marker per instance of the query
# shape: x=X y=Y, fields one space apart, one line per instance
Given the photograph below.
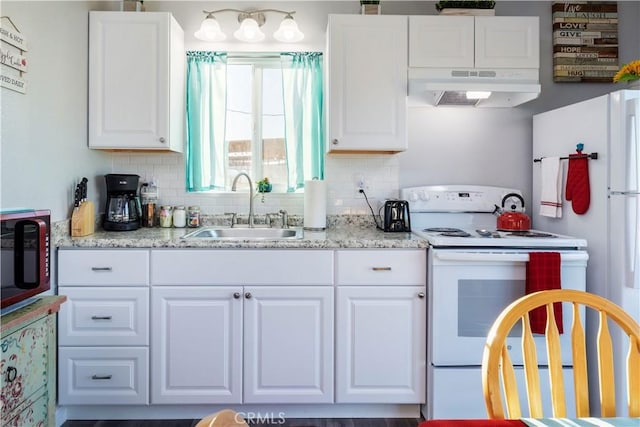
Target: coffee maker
x=123 y=211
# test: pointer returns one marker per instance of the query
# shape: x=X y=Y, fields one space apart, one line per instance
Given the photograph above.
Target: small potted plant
x=629 y=73
x=447 y=7
x=264 y=186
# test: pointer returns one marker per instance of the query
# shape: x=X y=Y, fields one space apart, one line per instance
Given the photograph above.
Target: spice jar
x=194 y=217
x=179 y=217
x=165 y=216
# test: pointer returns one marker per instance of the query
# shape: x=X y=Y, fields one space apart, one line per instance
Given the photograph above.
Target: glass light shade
x=249 y=31
x=210 y=31
x=288 y=31
x=478 y=94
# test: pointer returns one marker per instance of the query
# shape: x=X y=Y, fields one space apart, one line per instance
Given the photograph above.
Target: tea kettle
x=512 y=218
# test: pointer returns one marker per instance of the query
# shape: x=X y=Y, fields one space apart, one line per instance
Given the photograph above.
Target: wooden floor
x=293 y=422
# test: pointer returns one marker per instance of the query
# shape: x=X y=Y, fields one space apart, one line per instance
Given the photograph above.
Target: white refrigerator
x=610 y=126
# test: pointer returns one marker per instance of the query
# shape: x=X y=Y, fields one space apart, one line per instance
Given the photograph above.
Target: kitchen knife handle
x=101 y=317
x=381 y=268
x=101 y=268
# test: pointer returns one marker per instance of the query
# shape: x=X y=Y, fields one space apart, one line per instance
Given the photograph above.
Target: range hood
x=449 y=87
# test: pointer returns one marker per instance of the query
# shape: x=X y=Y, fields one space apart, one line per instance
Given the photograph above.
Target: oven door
x=469 y=288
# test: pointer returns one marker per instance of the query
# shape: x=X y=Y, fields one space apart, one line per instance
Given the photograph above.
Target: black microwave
x=25 y=254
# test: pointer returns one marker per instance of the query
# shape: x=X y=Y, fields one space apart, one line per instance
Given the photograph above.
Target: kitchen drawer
x=104 y=316
x=33 y=412
x=241 y=267
x=381 y=267
x=24 y=362
x=122 y=267
x=103 y=376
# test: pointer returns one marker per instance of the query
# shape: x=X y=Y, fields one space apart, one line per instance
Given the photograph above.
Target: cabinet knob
x=421 y=295
x=248 y=295
x=334 y=141
x=236 y=295
x=12 y=373
x=162 y=139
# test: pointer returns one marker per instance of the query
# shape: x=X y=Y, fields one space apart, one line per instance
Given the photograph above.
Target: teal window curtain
x=303 y=116
x=206 y=118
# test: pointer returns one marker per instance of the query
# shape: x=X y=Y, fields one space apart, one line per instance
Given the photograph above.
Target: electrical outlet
x=359 y=183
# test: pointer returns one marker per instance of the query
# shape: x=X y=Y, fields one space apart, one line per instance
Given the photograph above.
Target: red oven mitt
x=577 y=189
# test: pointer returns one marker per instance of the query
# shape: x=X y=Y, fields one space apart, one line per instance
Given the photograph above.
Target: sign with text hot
x=585 y=41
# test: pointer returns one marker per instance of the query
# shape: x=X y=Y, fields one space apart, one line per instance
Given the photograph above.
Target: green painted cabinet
x=28 y=364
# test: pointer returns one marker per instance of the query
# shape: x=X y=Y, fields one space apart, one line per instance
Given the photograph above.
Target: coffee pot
x=123 y=210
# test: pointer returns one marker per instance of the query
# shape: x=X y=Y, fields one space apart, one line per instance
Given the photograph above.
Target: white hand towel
x=551 y=187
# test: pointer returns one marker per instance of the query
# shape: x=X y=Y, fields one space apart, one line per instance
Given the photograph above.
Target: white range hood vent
x=447 y=87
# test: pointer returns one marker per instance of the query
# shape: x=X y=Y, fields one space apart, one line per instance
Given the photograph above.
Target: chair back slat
x=532 y=377
x=554 y=358
x=605 y=369
x=633 y=383
x=579 y=351
x=496 y=364
x=510 y=385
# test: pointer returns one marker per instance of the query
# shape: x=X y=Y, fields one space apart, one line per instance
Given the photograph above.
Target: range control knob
x=413 y=196
x=424 y=196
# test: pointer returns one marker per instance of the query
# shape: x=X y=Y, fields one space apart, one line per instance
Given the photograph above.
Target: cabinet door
x=129 y=80
x=507 y=42
x=367 y=83
x=196 y=346
x=380 y=344
x=441 y=41
x=288 y=340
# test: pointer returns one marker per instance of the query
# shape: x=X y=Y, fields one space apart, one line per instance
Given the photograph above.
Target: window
x=262 y=115
x=255 y=127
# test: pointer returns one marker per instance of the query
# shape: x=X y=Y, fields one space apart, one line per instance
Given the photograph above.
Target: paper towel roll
x=315 y=205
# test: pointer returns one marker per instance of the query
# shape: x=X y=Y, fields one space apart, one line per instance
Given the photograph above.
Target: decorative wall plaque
x=585 y=41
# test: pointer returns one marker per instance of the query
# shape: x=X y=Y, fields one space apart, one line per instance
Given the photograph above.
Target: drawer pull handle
x=101 y=317
x=381 y=268
x=12 y=373
x=101 y=268
x=101 y=377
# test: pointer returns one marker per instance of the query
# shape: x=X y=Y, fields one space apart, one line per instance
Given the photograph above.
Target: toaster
x=396 y=216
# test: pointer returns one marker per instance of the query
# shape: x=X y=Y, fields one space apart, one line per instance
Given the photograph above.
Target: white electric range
x=473 y=272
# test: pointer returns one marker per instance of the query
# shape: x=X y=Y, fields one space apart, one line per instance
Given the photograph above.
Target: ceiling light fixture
x=249 y=30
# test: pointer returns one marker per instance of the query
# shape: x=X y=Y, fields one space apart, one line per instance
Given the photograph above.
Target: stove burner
x=530 y=234
x=448 y=232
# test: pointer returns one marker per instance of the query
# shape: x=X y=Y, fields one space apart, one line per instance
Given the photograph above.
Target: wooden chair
x=497 y=366
x=224 y=418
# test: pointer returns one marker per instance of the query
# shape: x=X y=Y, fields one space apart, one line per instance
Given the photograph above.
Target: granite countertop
x=333 y=237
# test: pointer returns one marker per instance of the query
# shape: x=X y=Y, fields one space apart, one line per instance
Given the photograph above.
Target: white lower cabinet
x=202 y=335
x=381 y=326
x=103 y=329
x=234 y=343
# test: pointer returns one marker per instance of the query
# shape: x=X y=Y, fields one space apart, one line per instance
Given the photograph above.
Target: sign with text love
x=585 y=41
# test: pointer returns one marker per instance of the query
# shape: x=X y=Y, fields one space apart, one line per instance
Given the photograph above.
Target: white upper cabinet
x=474 y=41
x=366 y=86
x=137 y=67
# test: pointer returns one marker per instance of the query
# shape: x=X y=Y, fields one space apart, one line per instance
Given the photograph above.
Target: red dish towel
x=543 y=273
x=577 y=189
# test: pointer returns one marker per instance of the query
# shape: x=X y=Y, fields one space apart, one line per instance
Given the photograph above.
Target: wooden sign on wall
x=585 y=41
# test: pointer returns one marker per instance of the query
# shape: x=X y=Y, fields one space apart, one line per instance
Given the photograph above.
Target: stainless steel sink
x=222 y=233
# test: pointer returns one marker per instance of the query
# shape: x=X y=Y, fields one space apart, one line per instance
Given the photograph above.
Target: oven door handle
x=503 y=256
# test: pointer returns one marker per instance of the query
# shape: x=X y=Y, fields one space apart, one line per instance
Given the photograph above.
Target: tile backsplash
x=378 y=172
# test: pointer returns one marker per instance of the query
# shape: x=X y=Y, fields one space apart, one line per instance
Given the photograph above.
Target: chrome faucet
x=233 y=188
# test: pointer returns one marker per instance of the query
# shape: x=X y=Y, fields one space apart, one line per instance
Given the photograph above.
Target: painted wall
x=44 y=137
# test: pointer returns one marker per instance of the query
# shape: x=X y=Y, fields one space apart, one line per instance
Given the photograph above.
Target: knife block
x=83 y=220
